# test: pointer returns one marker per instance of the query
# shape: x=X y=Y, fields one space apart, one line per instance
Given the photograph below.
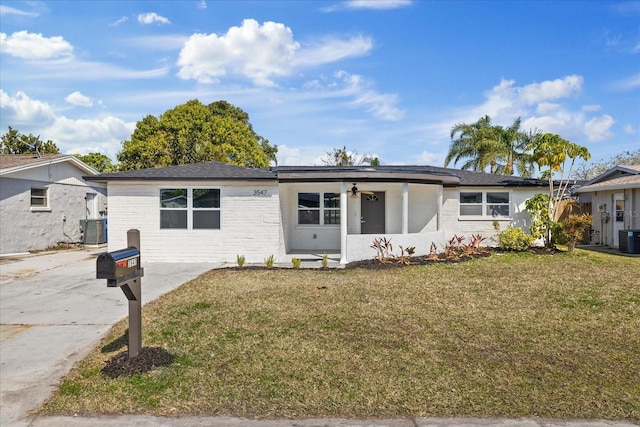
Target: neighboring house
x=615 y=203
x=43 y=198
x=215 y=211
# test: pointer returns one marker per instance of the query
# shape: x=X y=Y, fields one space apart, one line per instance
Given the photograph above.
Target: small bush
x=515 y=239
x=325 y=260
x=296 y=262
x=269 y=261
x=240 y=260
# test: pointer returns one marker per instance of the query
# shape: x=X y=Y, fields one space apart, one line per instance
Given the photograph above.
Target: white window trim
x=484 y=204
x=189 y=209
x=46 y=207
x=320 y=210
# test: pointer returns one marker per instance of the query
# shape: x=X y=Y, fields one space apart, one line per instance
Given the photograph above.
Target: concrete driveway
x=53 y=312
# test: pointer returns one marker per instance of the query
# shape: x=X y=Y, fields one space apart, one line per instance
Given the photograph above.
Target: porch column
x=439 y=211
x=343 y=222
x=405 y=208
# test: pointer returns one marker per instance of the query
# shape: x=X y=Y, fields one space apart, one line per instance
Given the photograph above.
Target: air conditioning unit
x=602 y=207
x=94 y=231
x=629 y=241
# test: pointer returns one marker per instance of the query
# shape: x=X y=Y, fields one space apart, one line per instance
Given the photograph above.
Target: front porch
x=345 y=216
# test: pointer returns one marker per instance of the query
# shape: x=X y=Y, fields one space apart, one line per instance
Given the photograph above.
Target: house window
x=491 y=204
x=190 y=208
x=311 y=211
x=39 y=198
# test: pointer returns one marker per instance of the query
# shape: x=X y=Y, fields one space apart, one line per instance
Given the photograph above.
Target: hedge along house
x=615 y=203
x=215 y=211
x=43 y=199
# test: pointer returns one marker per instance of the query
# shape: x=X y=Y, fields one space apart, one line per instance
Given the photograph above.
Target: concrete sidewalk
x=53 y=312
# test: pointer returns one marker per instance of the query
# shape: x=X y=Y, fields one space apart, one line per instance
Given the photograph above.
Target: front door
x=618 y=218
x=372 y=212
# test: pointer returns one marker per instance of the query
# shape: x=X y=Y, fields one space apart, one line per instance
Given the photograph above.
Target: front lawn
x=512 y=335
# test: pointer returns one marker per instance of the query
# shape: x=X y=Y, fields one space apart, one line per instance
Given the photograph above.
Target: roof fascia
x=69 y=158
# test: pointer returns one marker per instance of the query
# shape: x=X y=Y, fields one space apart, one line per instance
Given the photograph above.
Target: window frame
x=43 y=207
x=189 y=208
x=485 y=205
x=322 y=209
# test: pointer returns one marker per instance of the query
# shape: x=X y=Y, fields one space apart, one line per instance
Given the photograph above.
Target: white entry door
x=618 y=217
x=91 y=206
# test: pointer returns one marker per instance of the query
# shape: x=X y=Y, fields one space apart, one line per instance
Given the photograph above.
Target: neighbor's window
x=190 y=208
x=492 y=204
x=39 y=198
x=312 y=212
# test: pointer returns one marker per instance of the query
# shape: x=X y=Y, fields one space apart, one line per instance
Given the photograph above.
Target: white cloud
x=6 y=10
x=288 y=156
x=332 y=50
x=83 y=136
x=369 y=4
x=594 y=107
x=256 y=51
x=628 y=84
x=202 y=5
x=599 y=128
x=542 y=106
x=119 y=21
x=77 y=98
x=152 y=17
x=629 y=130
x=427 y=158
x=551 y=89
x=25 y=45
x=260 y=53
x=21 y=109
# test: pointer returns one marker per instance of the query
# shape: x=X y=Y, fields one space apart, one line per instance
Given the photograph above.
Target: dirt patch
x=149 y=358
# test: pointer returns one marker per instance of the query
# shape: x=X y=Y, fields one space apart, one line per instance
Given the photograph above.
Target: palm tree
x=486 y=145
x=476 y=142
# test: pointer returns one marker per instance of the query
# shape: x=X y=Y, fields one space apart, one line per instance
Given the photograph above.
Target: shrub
x=296 y=262
x=269 y=261
x=240 y=260
x=514 y=239
x=325 y=260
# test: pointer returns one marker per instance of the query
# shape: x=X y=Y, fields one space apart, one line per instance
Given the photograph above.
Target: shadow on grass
x=116 y=344
x=150 y=357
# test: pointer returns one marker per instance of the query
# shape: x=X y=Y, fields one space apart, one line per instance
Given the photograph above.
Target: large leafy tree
x=625 y=158
x=98 y=161
x=483 y=145
x=13 y=142
x=194 y=132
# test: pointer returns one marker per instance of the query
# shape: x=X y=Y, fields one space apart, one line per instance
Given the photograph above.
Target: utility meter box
x=118 y=267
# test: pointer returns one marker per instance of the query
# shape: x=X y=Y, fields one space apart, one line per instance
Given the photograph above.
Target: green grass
x=512 y=335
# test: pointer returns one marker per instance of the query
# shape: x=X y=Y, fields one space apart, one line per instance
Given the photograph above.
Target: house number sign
x=261 y=193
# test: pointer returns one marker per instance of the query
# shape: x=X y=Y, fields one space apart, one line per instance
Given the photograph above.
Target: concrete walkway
x=53 y=312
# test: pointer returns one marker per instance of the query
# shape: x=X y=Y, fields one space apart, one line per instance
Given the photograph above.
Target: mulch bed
x=148 y=359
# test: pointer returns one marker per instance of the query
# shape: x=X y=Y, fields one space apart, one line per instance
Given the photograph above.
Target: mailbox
x=119 y=267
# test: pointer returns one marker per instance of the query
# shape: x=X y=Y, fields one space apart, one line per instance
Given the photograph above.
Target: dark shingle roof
x=223 y=171
x=194 y=171
x=447 y=176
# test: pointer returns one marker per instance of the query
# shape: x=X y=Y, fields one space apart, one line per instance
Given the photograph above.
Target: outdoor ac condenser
x=629 y=241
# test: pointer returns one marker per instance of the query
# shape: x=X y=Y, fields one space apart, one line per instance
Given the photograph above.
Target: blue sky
x=387 y=78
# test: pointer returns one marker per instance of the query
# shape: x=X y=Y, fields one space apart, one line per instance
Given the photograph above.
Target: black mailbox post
x=122 y=268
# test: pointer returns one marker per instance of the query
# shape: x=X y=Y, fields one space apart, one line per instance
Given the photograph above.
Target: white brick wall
x=250 y=225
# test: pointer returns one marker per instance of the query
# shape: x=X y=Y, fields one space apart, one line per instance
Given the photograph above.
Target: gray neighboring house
x=615 y=203
x=213 y=212
x=43 y=199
